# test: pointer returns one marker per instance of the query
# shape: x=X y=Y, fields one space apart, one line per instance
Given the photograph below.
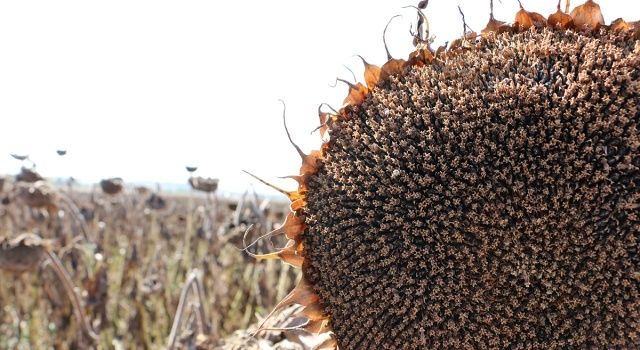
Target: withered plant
x=192 y=286
x=25 y=253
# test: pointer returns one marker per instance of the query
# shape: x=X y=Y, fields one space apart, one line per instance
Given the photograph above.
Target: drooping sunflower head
x=486 y=195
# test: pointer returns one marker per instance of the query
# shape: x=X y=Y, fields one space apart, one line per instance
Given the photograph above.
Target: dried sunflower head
x=191 y=169
x=112 y=186
x=28 y=175
x=21 y=157
x=155 y=202
x=22 y=253
x=203 y=184
x=482 y=196
x=36 y=195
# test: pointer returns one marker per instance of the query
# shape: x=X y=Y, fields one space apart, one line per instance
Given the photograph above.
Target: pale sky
x=139 y=89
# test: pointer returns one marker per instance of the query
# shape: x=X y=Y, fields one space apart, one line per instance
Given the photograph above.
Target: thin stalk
x=69 y=287
x=194 y=285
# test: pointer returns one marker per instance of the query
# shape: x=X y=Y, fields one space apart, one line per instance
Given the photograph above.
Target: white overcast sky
x=139 y=89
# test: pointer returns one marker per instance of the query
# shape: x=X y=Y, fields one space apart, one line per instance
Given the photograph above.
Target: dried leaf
x=587 y=15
